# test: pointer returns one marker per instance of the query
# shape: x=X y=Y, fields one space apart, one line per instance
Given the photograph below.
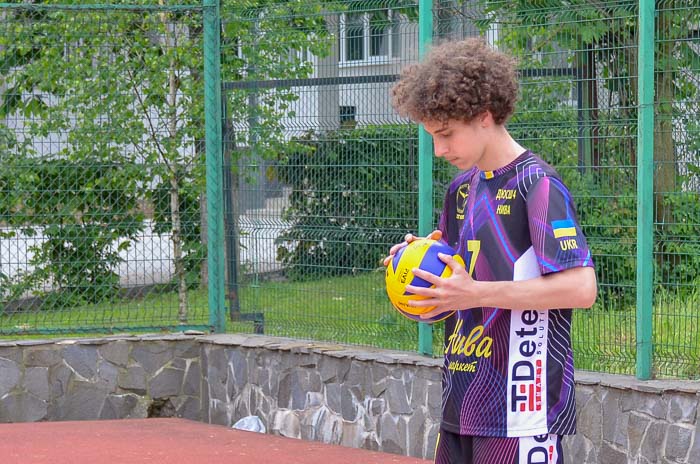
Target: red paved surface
x=167 y=441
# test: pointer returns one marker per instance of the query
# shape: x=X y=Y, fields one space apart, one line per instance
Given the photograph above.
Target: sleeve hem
x=568 y=265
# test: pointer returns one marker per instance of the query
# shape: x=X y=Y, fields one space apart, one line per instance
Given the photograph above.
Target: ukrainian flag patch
x=564 y=228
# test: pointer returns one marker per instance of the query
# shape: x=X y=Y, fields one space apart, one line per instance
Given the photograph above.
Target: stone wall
x=106 y=378
x=622 y=421
x=376 y=399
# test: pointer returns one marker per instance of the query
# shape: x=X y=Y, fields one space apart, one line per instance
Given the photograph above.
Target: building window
x=369 y=36
x=379 y=32
x=354 y=37
x=347 y=116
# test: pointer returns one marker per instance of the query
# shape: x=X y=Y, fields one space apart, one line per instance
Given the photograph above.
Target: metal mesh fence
x=100 y=142
x=327 y=182
x=102 y=225
x=578 y=109
x=676 y=319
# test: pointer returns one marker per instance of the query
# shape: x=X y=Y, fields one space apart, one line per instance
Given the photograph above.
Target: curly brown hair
x=458 y=80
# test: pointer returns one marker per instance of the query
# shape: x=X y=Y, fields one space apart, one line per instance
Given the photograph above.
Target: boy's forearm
x=572 y=288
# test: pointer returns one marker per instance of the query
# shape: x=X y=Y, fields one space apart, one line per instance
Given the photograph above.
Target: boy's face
x=461 y=143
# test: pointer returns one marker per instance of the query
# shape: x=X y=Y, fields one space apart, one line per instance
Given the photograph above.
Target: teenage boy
x=508 y=382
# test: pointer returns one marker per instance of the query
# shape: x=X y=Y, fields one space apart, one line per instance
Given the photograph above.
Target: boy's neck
x=501 y=150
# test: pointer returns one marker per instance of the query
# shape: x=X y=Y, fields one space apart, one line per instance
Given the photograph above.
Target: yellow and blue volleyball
x=420 y=254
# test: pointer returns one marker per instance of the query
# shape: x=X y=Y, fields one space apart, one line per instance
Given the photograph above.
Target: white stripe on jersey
x=527 y=361
x=541 y=449
x=534 y=172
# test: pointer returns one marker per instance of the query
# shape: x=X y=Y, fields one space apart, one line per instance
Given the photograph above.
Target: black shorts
x=452 y=448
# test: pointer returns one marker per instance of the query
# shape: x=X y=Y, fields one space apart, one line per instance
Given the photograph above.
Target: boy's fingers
x=450 y=261
x=408 y=238
x=435 y=235
x=431 y=314
x=425 y=275
x=395 y=249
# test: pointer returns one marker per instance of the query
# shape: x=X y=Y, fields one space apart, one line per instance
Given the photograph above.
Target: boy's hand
x=434 y=235
x=449 y=294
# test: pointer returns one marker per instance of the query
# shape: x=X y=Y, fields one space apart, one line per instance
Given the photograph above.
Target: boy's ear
x=486 y=119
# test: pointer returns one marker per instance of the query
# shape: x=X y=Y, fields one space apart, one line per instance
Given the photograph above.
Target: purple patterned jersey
x=509 y=373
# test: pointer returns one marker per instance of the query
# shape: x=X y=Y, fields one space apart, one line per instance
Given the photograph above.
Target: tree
x=124 y=88
x=602 y=39
x=598 y=41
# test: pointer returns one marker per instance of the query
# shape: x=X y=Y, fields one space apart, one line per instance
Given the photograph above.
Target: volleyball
x=421 y=254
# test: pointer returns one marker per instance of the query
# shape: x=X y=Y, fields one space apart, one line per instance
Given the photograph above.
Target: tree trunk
x=629 y=95
x=177 y=248
x=204 y=230
x=173 y=162
x=664 y=148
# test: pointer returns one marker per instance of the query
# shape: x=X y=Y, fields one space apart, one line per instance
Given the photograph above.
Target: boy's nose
x=440 y=150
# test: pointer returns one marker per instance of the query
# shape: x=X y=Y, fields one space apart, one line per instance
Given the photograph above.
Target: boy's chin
x=462 y=165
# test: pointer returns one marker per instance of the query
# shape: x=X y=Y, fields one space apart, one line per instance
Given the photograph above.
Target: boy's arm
x=571 y=288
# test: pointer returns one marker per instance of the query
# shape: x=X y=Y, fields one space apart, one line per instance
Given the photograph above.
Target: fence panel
x=676 y=301
x=324 y=172
x=577 y=110
x=102 y=225
x=101 y=130
x=578 y=69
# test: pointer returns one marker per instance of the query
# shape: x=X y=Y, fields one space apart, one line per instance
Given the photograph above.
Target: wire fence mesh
x=676 y=319
x=101 y=139
x=100 y=135
x=328 y=182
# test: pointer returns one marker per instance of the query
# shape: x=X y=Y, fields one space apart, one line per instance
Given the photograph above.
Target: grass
x=351 y=310
x=355 y=310
x=604 y=337
x=341 y=309
x=152 y=313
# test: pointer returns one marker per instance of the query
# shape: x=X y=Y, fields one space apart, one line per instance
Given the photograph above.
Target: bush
x=85 y=213
x=677 y=245
x=609 y=216
x=354 y=194
x=606 y=200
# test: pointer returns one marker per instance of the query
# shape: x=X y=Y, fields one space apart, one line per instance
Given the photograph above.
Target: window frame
x=393 y=47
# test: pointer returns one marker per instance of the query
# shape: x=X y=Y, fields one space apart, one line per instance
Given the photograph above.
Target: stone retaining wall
x=106 y=378
x=375 y=399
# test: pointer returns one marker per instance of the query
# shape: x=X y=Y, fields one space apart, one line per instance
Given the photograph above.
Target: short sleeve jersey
x=509 y=373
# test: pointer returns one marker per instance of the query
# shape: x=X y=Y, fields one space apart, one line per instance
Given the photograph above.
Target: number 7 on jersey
x=473 y=247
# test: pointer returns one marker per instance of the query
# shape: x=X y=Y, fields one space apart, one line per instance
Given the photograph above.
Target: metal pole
x=213 y=131
x=425 y=165
x=230 y=216
x=645 y=189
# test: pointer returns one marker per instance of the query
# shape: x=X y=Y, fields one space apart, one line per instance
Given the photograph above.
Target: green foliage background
x=354 y=194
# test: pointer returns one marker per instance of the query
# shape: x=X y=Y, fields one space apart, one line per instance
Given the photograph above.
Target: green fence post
x=212 y=119
x=645 y=189
x=425 y=166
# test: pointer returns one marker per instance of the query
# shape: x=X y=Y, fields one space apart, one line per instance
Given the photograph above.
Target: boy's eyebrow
x=442 y=129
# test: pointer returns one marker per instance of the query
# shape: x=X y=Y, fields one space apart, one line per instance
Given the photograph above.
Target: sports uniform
x=509 y=373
